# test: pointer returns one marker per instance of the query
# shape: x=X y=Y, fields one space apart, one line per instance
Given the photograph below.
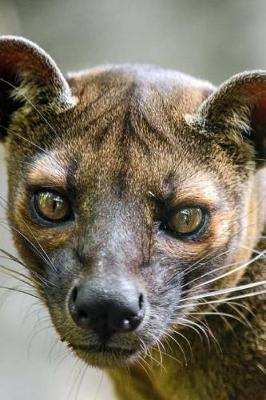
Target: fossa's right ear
x=29 y=75
x=236 y=112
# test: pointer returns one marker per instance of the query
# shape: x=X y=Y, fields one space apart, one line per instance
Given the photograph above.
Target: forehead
x=128 y=132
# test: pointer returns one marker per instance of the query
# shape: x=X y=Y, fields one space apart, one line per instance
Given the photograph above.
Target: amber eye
x=51 y=206
x=187 y=221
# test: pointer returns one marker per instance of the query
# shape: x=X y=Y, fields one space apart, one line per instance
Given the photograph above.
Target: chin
x=105 y=356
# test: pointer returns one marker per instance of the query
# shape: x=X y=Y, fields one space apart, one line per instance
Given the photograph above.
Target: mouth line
x=103 y=349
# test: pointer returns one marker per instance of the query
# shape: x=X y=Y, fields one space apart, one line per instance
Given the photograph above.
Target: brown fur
x=125 y=143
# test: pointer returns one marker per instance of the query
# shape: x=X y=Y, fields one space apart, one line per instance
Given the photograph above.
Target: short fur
x=125 y=144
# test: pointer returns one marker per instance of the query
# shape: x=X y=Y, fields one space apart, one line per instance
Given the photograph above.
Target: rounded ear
x=237 y=109
x=28 y=74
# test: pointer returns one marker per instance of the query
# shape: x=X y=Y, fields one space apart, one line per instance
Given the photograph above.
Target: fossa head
x=132 y=190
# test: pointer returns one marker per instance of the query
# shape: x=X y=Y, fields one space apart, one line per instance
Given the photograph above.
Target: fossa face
x=131 y=194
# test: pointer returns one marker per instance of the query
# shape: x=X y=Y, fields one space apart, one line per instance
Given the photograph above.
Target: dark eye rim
x=40 y=218
x=196 y=234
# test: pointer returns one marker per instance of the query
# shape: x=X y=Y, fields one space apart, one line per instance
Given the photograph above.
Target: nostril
x=82 y=315
x=132 y=320
x=140 y=301
x=130 y=323
x=74 y=294
x=79 y=310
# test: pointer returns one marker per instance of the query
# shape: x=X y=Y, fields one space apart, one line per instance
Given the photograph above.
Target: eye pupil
x=55 y=205
x=51 y=206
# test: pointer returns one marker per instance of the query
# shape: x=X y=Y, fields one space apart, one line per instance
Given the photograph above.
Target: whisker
x=140 y=362
x=185 y=323
x=212 y=272
x=13 y=274
x=40 y=252
x=171 y=337
x=13 y=289
x=36 y=277
x=225 y=291
x=223 y=300
x=218 y=314
x=6 y=226
x=176 y=332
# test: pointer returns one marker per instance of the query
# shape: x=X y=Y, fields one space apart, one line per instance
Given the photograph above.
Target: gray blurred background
x=211 y=39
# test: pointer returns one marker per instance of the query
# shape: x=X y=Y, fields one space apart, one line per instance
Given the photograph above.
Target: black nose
x=104 y=311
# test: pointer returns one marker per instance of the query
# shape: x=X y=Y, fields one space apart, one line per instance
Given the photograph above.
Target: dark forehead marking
x=130 y=131
x=100 y=138
x=126 y=137
x=157 y=132
x=120 y=183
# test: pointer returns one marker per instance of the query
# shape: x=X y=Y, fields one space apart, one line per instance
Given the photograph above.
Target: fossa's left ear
x=29 y=75
x=237 y=110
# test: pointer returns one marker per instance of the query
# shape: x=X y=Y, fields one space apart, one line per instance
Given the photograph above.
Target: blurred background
x=211 y=39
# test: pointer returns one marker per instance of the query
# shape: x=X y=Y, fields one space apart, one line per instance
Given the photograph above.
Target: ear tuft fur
x=28 y=74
